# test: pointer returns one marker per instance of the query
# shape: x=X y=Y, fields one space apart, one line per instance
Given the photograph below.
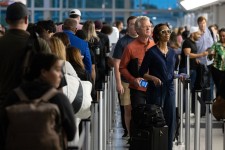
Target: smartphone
x=143 y=83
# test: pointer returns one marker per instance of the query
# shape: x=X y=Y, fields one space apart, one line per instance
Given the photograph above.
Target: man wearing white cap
x=76 y=14
x=189 y=48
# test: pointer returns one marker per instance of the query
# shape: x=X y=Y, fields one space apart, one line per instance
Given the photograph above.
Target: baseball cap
x=98 y=24
x=193 y=29
x=75 y=12
x=16 y=11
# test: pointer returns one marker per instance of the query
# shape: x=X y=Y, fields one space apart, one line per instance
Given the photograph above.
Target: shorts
x=125 y=97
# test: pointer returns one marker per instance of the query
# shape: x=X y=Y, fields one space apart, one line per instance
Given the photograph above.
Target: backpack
x=32 y=48
x=34 y=124
x=78 y=93
x=148 y=115
x=218 y=106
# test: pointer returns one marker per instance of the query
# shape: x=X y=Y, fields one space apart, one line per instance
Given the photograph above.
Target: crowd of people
x=157 y=51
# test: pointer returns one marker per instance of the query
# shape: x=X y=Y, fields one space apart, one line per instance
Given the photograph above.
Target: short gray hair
x=69 y=24
x=139 y=20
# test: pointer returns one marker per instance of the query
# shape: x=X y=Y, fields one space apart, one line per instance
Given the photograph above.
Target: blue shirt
x=160 y=66
x=82 y=46
x=205 y=42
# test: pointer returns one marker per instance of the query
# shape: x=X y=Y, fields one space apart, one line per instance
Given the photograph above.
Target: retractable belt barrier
x=184 y=86
x=208 y=128
x=198 y=94
x=101 y=118
x=100 y=123
x=187 y=113
x=111 y=86
x=107 y=107
x=95 y=124
x=179 y=104
x=187 y=106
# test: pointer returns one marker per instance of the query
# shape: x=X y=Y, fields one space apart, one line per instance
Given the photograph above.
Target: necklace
x=163 y=51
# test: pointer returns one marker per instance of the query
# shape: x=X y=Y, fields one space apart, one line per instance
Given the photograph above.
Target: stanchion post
x=187 y=106
x=86 y=127
x=187 y=115
x=197 y=120
x=95 y=125
x=208 y=129
x=180 y=102
x=176 y=89
x=223 y=134
x=104 y=115
x=101 y=120
x=109 y=107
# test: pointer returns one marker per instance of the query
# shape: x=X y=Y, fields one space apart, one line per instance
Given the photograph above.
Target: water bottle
x=97 y=51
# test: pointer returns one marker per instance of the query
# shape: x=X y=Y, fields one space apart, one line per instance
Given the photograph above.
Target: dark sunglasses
x=165 y=31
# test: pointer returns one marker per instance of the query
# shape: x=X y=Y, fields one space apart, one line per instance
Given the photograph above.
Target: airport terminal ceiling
x=105 y=10
x=170 y=11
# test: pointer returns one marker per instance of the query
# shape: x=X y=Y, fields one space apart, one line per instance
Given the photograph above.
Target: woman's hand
x=156 y=81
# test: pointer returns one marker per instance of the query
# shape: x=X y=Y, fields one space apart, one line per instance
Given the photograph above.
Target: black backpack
x=147 y=115
x=32 y=48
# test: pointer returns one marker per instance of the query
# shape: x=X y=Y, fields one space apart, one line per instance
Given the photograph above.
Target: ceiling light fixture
x=193 y=4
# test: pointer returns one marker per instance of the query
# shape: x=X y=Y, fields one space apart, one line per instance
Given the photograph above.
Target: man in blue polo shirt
x=69 y=27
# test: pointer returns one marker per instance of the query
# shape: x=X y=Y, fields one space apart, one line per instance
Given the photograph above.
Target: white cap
x=75 y=12
x=194 y=29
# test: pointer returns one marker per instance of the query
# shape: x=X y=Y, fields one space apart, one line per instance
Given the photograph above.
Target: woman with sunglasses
x=158 y=69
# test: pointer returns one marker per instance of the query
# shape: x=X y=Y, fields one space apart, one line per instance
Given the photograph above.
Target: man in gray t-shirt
x=121 y=84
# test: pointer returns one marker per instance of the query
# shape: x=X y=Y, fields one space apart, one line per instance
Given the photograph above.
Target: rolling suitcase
x=153 y=138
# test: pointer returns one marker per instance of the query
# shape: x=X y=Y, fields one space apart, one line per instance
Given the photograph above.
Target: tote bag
x=79 y=94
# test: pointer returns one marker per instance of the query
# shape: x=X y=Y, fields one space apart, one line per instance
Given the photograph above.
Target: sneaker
x=125 y=134
x=128 y=141
x=126 y=137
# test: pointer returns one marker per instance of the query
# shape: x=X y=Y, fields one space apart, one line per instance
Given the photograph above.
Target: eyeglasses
x=146 y=27
x=165 y=31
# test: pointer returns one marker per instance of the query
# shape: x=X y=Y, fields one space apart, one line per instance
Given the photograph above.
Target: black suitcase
x=154 y=138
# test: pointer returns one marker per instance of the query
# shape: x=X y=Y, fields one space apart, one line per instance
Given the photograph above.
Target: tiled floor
x=121 y=144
